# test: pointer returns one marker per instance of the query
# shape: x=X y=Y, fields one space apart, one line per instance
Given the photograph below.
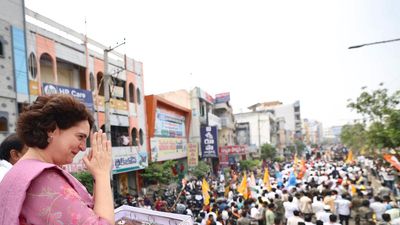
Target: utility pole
x=106 y=83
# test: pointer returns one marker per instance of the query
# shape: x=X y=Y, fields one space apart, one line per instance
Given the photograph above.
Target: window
x=141 y=137
x=100 y=83
x=138 y=96
x=3 y=124
x=32 y=66
x=1 y=49
x=92 y=85
x=134 y=136
x=131 y=93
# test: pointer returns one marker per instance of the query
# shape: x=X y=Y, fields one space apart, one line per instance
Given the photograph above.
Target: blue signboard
x=21 y=73
x=209 y=142
x=84 y=96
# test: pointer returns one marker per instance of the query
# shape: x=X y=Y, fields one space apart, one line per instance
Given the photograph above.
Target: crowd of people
x=320 y=192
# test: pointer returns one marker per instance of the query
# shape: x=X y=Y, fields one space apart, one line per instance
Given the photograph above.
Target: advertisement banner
x=209 y=142
x=84 y=96
x=169 y=125
x=243 y=133
x=167 y=148
x=125 y=159
x=193 y=155
x=223 y=97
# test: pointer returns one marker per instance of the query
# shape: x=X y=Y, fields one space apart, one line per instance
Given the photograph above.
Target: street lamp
x=373 y=43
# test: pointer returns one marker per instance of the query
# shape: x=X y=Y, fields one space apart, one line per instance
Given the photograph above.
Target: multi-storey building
x=290 y=113
x=256 y=129
x=40 y=56
x=13 y=64
x=312 y=132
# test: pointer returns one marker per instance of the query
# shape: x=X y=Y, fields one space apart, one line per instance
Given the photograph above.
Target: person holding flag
x=205 y=188
x=266 y=180
x=242 y=189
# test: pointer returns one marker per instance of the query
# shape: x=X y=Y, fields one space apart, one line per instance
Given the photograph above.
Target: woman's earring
x=49 y=139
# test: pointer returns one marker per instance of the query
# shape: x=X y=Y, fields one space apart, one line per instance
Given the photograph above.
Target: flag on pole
x=349 y=157
x=266 y=181
x=292 y=180
x=303 y=169
x=242 y=188
x=205 y=188
x=392 y=160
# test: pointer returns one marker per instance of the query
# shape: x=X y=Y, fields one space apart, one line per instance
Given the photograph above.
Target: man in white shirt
x=343 y=206
x=295 y=219
x=11 y=150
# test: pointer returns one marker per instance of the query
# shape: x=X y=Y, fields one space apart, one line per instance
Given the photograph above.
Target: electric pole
x=106 y=81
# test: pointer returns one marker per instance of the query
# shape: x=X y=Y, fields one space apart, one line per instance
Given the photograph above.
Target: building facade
x=168 y=129
x=13 y=65
x=39 y=56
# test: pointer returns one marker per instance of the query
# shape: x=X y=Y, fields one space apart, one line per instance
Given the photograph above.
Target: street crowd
x=316 y=191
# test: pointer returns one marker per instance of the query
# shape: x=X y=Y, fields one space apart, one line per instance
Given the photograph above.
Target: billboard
x=243 y=133
x=209 y=141
x=167 y=148
x=193 y=154
x=223 y=97
x=84 y=96
x=169 y=125
x=124 y=159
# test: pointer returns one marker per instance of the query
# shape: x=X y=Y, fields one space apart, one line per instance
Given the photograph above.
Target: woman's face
x=66 y=144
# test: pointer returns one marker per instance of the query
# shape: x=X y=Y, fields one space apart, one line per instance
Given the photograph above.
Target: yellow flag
x=349 y=157
x=267 y=183
x=353 y=190
x=205 y=188
x=242 y=189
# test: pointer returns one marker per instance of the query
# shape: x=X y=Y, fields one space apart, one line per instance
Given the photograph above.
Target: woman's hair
x=46 y=114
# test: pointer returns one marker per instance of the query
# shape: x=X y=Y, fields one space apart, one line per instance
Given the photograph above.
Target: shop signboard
x=163 y=149
x=193 y=154
x=168 y=124
x=209 y=141
x=222 y=98
x=125 y=159
x=84 y=96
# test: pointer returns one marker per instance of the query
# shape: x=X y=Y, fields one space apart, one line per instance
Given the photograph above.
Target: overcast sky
x=256 y=50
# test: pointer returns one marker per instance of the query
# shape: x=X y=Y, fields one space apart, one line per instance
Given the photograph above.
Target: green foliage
x=299 y=146
x=380 y=109
x=86 y=179
x=159 y=172
x=249 y=164
x=268 y=151
x=201 y=170
x=354 y=136
x=279 y=159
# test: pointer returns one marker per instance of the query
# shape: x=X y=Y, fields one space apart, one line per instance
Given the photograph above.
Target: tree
x=380 y=110
x=201 y=170
x=86 y=179
x=159 y=172
x=354 y=136
x=268 y=151
x=249 y=164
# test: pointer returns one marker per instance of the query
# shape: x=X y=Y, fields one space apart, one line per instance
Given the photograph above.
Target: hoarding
x=243 y=133
x=168 y=124
x=193 y=154
x=167 y=148
x=124 y=159
x=209 y=142
x=223 y=97
x=84 y=96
